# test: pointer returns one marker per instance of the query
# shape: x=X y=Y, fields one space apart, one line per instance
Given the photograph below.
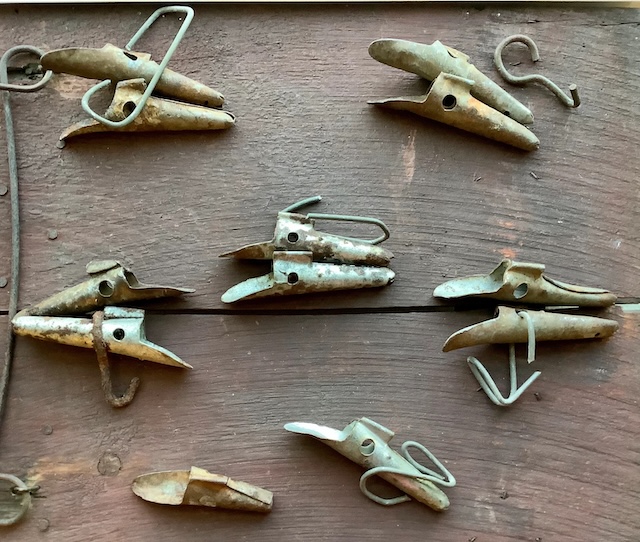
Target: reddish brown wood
x=298 y=78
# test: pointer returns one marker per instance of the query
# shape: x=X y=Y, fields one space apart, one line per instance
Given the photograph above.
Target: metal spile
x=449 y=100
x=116 y=64
x=159 y=114
x=306 y=260
x=111 y=283
x=508 y=327
x=115 y=329
x=429 y=61
x=199 y=487
x=524 y=283
x=367 y=443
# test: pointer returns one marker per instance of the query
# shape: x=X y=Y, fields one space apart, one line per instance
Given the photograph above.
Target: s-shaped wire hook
x=569 y=101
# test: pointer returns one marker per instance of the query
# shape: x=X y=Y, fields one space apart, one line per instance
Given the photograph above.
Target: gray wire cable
x=15 y=210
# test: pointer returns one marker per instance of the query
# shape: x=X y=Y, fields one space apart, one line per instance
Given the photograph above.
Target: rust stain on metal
x=158 y=114
x=116 y=64
x=111 y=283
x=525 y=283
x=367 y=443
x=508 y=327
x=306 y=260
x=429 y=61
x=449 y=101
x=199 y=487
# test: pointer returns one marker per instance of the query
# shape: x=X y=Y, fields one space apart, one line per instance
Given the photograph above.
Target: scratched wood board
x=562 y=466
x=298 y=79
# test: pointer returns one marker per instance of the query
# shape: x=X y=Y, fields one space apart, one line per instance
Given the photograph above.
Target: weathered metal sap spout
x=158 y=114
x=524 y=283
x=429 y=61
x=459 y=95
x=512 y=326
x=139 y=77
x=114 y=329
x=201 y=488
x=110 y=283
x=367 y=443
x=306 y=260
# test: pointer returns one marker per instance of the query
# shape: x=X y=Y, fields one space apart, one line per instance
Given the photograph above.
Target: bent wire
x=511 y=326
x=569 y=101
x=524 y=283
x=459 y=95
x=133 y=107
x=366 y=443
x=199 y=487
x=306 y=260
x=115 y=329
x=19 y=490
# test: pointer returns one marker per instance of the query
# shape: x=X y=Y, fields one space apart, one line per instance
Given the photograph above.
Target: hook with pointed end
x=100 y=347
x=569 y=101
x=487 y=383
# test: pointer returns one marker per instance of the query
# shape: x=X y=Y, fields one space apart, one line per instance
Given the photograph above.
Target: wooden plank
x=298 y=78
x=567 y=462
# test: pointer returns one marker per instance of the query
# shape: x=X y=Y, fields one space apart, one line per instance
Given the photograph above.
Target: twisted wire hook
x=443 y=478
x=487 y=383
x=569 y=101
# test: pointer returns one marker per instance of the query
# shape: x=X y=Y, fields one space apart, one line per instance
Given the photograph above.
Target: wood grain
x=566 y=461
x=298 y=79
x=559 y=466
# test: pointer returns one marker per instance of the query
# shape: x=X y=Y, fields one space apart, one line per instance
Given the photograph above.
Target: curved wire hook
x=156 y=76
x=4 y=63
x=23 y=492
x=443 y=478
x=572 y=101
x=487 y=383
x=105 y=372
x=344 y=218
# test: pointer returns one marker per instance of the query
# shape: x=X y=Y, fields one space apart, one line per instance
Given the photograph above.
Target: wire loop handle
x=443 y=478
x=569 y=101
x=343 y=218
x=156 y=77
x=4 y=62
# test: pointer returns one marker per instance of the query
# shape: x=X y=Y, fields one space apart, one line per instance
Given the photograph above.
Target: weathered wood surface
x=568 y=461
x=298 y=79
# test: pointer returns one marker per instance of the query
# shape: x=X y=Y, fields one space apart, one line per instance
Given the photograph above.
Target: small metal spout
x=296 y=273
x=429 y=61
x=201 y=488
x=122 y=330
x=449 y=100
x=366 y=443
x=111 y=283
x=117 y=64
x=524 y=283
x=159 y=114
x=508 y=327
